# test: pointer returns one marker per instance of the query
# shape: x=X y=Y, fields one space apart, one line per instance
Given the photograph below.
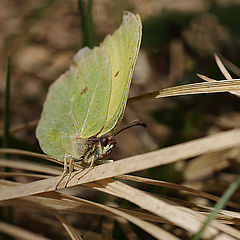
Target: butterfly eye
x=105 y=142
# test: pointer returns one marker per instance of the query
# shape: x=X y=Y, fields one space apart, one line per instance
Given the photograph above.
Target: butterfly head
x=96 y=148
x=107 y=144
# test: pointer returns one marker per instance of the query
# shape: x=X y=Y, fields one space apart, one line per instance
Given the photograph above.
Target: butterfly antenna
x=132 y=124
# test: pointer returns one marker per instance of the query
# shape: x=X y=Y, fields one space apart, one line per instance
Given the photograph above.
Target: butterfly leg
x=91 y=160
x=70 y=170
x=65 y=170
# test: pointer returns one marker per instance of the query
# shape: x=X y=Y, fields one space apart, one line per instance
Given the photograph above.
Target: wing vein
x=91 y=101
x=73 y=118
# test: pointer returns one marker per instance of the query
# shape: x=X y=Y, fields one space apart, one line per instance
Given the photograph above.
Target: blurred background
x=179 y=40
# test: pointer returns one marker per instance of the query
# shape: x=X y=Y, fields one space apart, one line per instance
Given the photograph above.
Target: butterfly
x=85 y=105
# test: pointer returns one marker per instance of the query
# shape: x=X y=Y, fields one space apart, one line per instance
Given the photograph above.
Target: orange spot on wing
x=84 y=90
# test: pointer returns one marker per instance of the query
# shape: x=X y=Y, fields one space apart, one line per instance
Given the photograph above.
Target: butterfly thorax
x=88 y=150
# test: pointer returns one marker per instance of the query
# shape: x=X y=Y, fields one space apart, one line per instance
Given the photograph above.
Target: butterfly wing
x=77 y=103
x=90 y=98
x=122 y=47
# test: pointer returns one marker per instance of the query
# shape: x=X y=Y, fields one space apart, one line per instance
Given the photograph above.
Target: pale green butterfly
x=86 y=104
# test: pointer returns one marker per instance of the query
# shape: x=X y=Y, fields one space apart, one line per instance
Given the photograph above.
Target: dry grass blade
x=71 y=231
x=205 y=78
x=20 y=127
x=224 y=72
x=164 y=156
x=221 y=227
x=206 y=165
x=180 y=216
x=230 y=214
x=19 y=233
x=157 y=206
x=148 y=227
x=231 y=66
x=220 y=205
x=27 y=153
x=45 y=202
x=226 y=216
x=177 y=187
x=236 y=93
x=224 y=236
x=205 y=211
x=20 y=174
x=61 y=202
x=216 y=224
x=32 y=154
x=27 y=165
x=232 y=232
x=222 y=68
x=197 y=88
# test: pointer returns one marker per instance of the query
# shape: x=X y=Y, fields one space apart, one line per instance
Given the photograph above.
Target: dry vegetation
x=180 y=165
